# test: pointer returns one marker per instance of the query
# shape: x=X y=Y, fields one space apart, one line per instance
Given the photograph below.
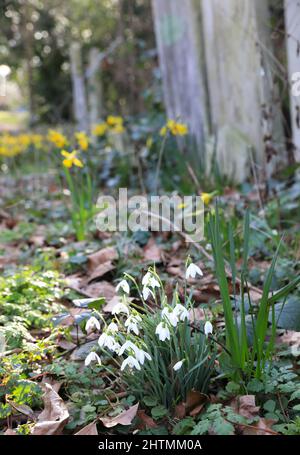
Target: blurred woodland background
x=224 y=68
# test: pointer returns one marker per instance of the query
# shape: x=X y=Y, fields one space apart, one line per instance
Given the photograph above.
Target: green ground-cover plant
x=248 y=358
x=27 y=301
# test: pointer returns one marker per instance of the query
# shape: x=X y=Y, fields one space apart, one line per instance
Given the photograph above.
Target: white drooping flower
x=120 y=308
x=208 y=328
x=131 y=362
x=128 y=346
x=168 y=314
x=149 y=281
x=181 y=312
x=141 y=355
x=192 y=271
x=146 y=292
x=92 y=324
x=132 y=324
x=162 y=331
x=92 y=357
x=112 y=328
x=107 y=341
x=124 y=286
x=178 y=365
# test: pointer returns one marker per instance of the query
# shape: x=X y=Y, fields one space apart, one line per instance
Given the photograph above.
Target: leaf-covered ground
x=51 y=284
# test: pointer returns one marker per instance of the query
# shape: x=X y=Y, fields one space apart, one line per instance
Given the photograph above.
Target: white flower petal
x=92 y=357
x=92 y=324
x=178 y=365
x=124 y=286
x=192 y=271
x=208 y=328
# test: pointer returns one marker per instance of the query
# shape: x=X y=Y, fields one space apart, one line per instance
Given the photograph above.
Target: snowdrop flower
x=162 y=331
x=112 y=327
x=181 y=312
x=150 y=281
x=178 y=365
x=131 y=362
x=132 y=324
x=92 y=357
x=146 y=292
x=92 y=324
x=124 y=286
x=120 y=308
x=107 y=341
x=168 y=314
x=208 y=328
x=142 y=355
x=128 y=346
x=192 y=271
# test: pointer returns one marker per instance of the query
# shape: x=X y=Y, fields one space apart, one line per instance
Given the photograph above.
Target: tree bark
x=292 y=26
x=241 y=90
x=95 y=91
x=178 y=35
x=78 y=83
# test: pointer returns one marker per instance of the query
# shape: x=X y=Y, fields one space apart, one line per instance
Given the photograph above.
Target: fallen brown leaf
x=146 y=421
x=125 y=418
x=261 y=428
x=88 y=430
x=194 y=399
x=245 y=406
x=54 y=416
x=100 y=257
x=152 y=252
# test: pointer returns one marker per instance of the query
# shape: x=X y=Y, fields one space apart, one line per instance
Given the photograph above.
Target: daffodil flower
x=162 y=331
x=192 y=271
x=92 y=357
x=131 y=362
x=178 y=365
x=71 y=159
x=208 y=197
x=100 y=129
x=82 y=140
x=124 y=286
x=92 y=324
x=208 y=328
x=120 y=308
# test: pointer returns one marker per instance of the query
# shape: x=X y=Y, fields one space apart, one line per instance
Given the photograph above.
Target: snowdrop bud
x=92 y=357
x=192 y=271
x=120 y=308
x=178 y=365
x=124 y=286
x=162 y=331
x=112 y=327
x=92 y=324
x=131 y=362
x=208 y=328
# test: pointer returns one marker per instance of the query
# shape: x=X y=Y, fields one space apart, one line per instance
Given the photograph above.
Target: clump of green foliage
x=27 y=301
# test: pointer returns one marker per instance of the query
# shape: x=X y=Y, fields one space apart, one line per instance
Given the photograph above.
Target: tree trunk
x=241 y=91
x=177 y=25
x=79 y=95
x=292 y=26
x=95 y=92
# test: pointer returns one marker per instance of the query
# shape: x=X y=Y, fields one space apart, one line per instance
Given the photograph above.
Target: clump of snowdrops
x=158 y=351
